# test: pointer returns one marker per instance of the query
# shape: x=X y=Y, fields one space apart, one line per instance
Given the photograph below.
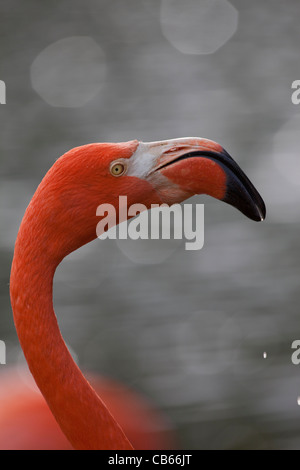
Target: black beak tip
x=259 y=216
x=242 y=195
x=261 y=212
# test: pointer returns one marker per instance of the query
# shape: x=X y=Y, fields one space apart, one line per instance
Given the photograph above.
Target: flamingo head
x=179 y=168
x=168 y=171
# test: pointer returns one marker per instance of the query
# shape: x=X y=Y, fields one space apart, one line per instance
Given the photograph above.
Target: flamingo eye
x=117 y=169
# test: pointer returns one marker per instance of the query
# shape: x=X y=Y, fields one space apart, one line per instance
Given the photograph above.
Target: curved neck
x=77 y=408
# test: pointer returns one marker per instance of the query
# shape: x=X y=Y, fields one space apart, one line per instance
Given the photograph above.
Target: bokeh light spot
x=69 y=72
x=149 y=250
x=198 y=27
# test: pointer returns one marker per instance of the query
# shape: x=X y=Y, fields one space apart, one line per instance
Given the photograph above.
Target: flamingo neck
x=77 y=408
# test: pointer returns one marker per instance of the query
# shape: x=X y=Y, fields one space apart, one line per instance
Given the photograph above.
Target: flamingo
x=61 y=217
x=26 y=422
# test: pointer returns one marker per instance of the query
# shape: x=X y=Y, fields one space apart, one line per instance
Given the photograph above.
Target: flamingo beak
x=201 y=166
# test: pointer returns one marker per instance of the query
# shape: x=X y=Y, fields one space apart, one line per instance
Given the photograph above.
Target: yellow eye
x=117 y=169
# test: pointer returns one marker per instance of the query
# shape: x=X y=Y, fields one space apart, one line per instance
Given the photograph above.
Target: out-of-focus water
x=187 y=329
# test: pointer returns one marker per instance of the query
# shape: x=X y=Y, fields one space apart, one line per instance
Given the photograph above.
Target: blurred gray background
x=186 y=329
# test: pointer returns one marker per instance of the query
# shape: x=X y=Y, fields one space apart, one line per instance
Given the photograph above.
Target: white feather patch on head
x=142 y=161
x=147 y=153
x=145 y=159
